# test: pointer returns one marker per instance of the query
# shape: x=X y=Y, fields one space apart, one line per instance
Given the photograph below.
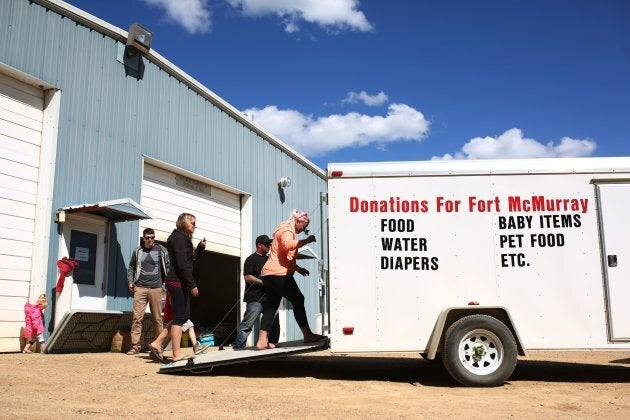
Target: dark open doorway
x=216 y=308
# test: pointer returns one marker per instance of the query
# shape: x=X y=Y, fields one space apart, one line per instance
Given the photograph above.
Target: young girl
x=34 y=318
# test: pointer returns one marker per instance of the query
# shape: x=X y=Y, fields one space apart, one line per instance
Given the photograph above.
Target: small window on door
x=83 y=248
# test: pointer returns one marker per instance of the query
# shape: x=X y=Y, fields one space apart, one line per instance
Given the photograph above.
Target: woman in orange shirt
x=277 y=276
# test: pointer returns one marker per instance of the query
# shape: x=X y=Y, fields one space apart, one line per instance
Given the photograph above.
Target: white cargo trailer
x=478 y=261
x=473 y=262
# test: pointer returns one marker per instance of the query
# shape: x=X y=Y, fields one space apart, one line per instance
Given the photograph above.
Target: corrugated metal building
x=90 y=138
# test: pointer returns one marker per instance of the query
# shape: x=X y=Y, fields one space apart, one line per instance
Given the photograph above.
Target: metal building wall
x=108 y=121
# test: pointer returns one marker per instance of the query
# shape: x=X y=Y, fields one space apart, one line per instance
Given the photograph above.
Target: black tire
x=479 y=350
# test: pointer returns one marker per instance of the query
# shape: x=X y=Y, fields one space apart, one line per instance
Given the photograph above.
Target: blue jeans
x=251 y=315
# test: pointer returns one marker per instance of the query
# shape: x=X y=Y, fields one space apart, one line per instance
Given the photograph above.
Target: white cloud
x=193 y=15
x=291 y=27
x=512 y=144
x=330 y=14
x=369 y=100
x=316 y=136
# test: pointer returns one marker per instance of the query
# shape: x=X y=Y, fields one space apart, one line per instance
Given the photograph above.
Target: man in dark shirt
x=145 y=275
x=254 y=295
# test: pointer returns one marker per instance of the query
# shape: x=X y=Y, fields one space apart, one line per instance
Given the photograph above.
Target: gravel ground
x=319 y=385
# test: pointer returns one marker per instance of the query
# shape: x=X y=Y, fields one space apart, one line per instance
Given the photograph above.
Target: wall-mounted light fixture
x=284 y=182
x=138 y=40
x=61 y=216
x=138 y=44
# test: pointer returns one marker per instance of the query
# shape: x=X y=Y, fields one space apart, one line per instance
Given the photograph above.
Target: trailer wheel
x=479 y=350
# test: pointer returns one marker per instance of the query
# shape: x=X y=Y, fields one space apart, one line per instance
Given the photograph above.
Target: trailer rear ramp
x=205 y=362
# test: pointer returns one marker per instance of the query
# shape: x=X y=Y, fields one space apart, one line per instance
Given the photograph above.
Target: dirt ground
x=546 y=385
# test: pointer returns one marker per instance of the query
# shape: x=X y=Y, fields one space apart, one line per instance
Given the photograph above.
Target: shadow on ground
x=415 y=371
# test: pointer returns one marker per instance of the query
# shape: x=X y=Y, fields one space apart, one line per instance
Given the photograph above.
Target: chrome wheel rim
x=480 y=352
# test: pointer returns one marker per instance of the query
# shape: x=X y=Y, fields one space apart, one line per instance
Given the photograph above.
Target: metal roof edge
x=126 y=201
x=114 y=32
x=113 y=206
x=83 y=17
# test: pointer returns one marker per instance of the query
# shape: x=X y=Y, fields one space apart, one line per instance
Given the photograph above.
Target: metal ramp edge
x=205 y=362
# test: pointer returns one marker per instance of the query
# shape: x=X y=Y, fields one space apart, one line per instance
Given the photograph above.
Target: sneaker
x=133 y=351
x=200 y=348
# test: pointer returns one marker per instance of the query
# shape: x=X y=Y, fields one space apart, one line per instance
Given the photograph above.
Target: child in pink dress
x=34 y=318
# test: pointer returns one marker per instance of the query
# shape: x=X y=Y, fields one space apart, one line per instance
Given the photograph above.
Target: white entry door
x=84 y=239
x=613 y=199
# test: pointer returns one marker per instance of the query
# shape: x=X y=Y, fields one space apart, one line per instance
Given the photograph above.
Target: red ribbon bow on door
x=66 y=266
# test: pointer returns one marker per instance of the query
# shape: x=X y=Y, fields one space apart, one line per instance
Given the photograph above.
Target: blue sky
x=374 y=80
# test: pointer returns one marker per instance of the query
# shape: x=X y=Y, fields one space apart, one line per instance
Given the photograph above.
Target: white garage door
x=21 y=119
x=166 y=195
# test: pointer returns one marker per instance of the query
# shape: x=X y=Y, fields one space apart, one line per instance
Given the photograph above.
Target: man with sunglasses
x=146 y=273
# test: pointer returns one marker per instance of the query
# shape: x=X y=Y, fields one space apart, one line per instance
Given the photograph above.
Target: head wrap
x=302 y=216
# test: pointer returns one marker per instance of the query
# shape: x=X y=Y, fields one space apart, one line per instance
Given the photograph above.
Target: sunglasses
x=149 y=238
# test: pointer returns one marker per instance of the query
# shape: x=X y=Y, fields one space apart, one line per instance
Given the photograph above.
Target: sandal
x=189 y=357
x=157 y=353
